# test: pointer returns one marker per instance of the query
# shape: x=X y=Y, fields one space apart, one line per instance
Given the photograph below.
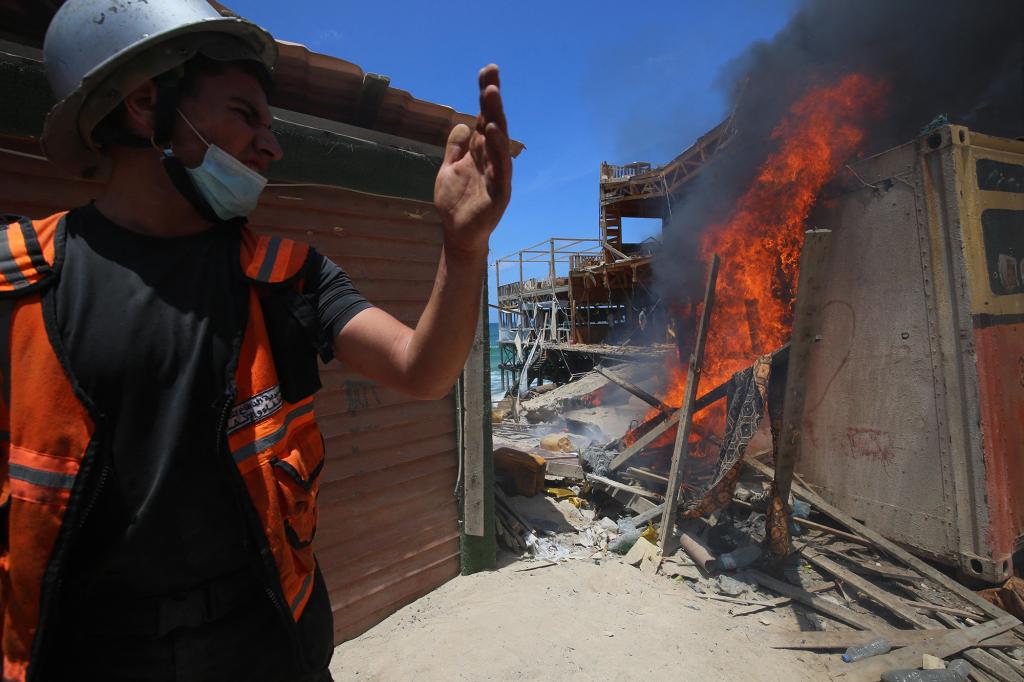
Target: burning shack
x=900 y=358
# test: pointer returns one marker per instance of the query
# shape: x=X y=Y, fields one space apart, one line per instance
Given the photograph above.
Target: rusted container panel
x=388 y=530
x=914 y=417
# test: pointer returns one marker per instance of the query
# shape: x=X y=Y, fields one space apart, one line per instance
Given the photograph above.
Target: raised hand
x=474 y=184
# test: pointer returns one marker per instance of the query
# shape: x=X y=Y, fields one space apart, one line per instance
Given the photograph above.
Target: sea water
x=496 y=391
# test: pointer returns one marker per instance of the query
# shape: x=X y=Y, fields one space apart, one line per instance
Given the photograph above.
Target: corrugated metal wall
x=388 y=530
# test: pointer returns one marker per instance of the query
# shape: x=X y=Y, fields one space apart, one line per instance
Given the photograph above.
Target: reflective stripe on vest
x=50 y=432
x=271 y=260
x=23 y=253
x=276 y=444
x=37 y=477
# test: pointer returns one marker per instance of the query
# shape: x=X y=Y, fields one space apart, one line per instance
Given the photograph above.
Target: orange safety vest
x=49 y=433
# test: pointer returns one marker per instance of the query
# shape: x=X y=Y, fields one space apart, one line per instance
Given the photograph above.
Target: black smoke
x=958 y=58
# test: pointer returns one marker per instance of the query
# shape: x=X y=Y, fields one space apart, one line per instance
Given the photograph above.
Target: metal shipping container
x=914 y=416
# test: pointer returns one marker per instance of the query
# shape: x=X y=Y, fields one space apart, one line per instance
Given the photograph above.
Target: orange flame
x=760 y=243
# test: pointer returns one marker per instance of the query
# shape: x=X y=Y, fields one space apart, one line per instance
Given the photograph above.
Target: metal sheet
x=892 y=425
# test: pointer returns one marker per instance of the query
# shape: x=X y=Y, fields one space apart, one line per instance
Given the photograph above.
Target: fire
x=760 y=242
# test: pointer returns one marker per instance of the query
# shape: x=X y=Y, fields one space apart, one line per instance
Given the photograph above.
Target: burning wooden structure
x=597 y=295
x=908 y=403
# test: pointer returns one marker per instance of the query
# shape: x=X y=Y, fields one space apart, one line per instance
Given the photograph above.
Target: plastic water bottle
x=623 y=543
x=861 y=651
x=957 y=671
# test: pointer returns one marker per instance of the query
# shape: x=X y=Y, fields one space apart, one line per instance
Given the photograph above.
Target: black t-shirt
x=148 y=324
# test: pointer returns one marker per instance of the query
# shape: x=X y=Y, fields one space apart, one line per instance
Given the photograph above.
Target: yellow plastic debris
x=650 y=534
x=559 y=493
x=567 y=495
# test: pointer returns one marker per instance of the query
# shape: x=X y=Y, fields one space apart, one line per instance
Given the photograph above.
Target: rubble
x=847 y=584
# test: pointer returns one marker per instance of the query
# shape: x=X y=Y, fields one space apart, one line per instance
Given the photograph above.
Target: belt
x=157 y=616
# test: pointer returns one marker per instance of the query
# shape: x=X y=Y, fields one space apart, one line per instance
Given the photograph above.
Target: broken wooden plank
x=645 y=475
x=938 y=608
x=634 y=389
x=503 y=502
x=822 y=528
x=649 y=515
x=1008 y=660
x=780 y=601
x=622 y=493
x=680 y=452
x=840 y=613
x=988 y=663
x=643 y=441
x=824 y=641
x=813 y=273
x=887 y=546
x=890 y=602
x=660 y=423
x=983 y=659
x=857 y=565
x=636 y=490
x=952 y=642
x=729 y=600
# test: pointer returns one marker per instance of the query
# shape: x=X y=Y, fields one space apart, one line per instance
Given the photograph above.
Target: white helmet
x=97 y=51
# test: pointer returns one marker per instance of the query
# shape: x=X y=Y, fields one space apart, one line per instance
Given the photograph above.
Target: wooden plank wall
x=388 y=531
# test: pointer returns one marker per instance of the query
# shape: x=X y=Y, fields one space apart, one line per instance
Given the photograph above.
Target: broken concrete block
x=730 y=586
x=640 y=549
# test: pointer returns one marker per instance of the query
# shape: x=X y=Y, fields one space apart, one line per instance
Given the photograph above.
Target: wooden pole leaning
x=680 y=451
x=813 y=273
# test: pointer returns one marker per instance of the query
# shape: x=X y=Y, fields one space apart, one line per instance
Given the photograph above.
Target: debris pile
x=567 y=492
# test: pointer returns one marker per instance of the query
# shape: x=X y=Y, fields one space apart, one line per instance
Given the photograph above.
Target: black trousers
x=248 y=643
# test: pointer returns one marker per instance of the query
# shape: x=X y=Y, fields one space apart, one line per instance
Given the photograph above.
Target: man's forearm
x=438 y=347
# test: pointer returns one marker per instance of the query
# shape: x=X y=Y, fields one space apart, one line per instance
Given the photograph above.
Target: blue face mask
x=231 y=188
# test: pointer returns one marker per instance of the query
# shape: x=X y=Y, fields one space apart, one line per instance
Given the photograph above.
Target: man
x=159 y=457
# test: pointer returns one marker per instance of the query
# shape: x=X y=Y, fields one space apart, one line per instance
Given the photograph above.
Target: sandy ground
x=574 y=621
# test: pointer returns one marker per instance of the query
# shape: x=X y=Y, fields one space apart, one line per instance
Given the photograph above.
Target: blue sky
x=583 y=82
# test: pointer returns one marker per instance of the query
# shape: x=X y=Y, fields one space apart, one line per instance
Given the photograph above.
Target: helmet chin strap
x=165 y=111
x=182 y=182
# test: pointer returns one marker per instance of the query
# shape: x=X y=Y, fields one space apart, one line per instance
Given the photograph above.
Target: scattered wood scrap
x=779 y=601
x=984 y=660
x=847 y=638
x=647 y=476
x=637 y=499
x=888 y=547
x=835 y=611
x=890 y=602
x=950 y=643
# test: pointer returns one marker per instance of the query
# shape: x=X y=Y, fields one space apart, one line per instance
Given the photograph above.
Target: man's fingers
x=489 y=76
x=491 y=107
x=458 y=143
x=500 y=166
x=492 y=110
